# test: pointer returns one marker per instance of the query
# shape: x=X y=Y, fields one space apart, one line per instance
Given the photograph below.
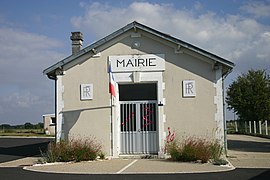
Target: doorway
x=138 y=118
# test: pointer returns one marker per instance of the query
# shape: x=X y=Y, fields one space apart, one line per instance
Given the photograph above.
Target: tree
x=249 y=96
x=28 y=125
x=38 y=126
x=6 y=126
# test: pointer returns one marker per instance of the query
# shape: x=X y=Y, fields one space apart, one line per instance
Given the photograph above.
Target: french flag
x=112 y=83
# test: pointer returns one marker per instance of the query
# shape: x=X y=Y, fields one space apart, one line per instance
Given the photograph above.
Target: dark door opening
x=138 y=92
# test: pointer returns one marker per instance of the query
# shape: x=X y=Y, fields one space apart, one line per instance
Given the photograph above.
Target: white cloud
x=198 y=6
x=240 y=39
x=102 y=19
x=257 y=8
x=17 y=100
x=25 y=92
x=24 y=56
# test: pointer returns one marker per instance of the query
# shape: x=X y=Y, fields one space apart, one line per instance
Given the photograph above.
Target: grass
x=195 y=150
x=23 y=132
x=75 y=150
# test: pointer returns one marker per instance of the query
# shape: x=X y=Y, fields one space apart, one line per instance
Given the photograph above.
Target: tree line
x=26 y=125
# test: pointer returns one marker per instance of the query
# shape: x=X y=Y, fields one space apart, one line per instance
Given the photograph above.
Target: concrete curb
x=21 y=137
x=130 y=168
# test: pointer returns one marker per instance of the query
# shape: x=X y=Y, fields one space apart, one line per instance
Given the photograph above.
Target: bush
x=194 y=149
x=74 y=150
x=175 y=151
x=101 y=155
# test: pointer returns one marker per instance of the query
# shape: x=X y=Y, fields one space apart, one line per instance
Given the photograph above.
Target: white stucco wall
x=195 y=116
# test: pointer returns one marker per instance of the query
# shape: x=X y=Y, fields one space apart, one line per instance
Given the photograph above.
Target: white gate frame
x=144 y=77
x=145 y=149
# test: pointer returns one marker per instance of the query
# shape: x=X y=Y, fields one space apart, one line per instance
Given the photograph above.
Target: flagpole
x=111 y=126
x=111 y=119
x=113 y=87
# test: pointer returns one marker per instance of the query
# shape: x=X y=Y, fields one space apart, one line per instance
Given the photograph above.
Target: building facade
x=160 y=86
x=49 y=124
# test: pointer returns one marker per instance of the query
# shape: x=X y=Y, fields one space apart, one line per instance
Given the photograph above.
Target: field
x=22 y=132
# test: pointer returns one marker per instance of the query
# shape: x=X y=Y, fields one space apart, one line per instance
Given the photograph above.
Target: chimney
x=77 y=39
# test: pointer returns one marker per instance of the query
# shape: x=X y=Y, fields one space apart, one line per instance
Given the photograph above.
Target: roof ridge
x=50 y=70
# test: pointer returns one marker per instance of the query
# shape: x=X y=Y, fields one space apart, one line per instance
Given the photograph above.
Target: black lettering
x=129 y=63
x=146 y=62
x=120 y=62
x=151 y=62
x=141 y=62
x=135 y=63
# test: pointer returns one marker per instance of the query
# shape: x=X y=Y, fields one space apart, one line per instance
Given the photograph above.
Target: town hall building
x=138 y=88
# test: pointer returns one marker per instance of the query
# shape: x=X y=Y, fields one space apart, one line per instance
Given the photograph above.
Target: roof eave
x=185 y=44
x=59 y=64
x=134 y=25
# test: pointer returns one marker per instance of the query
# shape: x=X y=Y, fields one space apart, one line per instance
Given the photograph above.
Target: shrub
x=216 y=150
x=220 y=162
x=101 y=155
x=174 y=151
x=194 y=149
x=74 y=150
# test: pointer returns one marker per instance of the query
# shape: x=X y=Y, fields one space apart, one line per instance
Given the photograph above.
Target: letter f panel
x=189 y=88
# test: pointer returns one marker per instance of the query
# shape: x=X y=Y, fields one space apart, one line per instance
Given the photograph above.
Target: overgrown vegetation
x=196 y=150
x=74 y=150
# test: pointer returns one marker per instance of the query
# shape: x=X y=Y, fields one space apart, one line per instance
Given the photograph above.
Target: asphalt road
x=15 y=148
x=248 y=146
x=239 y=174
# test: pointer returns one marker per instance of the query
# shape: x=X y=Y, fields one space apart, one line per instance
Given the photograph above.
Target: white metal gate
x=138 y=127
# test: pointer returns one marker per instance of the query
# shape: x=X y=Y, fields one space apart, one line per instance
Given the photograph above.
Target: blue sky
x=35 y=34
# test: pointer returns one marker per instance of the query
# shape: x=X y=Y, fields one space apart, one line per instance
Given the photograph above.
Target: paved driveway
x=248 y=151
x=17 y=147
x=244 y=152
x=239 y=152
x=130 y=166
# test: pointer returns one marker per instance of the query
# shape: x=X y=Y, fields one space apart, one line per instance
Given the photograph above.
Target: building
x=49 y=124
x=161 y=87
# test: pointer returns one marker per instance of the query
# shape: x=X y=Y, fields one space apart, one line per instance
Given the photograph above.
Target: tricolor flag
x=112 y=83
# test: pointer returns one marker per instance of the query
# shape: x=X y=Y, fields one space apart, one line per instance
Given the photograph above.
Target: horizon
x=35 y=35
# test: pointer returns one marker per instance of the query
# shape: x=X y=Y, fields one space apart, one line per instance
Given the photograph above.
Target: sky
x=36 y=34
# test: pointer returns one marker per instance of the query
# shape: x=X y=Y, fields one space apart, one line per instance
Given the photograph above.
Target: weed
x=219 y=161
x=194 y=149
x=75 y=150
x=101 y=155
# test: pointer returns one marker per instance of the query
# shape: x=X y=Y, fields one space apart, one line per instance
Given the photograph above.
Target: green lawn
x=23 y=132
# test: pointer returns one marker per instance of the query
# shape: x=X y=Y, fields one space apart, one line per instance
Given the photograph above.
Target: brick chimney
x=77 y=41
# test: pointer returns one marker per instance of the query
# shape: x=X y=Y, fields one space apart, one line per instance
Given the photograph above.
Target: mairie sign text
x=147 y=62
